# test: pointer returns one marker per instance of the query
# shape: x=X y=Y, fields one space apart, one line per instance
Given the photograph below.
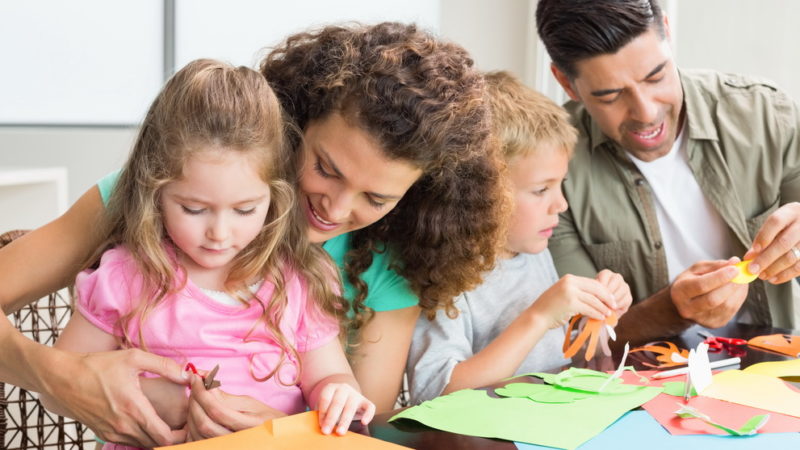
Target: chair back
x=24 y=423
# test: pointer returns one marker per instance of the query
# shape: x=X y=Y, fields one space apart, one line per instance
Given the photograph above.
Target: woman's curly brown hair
x=423 y=101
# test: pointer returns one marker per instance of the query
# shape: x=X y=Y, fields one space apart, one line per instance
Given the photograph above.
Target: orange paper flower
x=594 y=330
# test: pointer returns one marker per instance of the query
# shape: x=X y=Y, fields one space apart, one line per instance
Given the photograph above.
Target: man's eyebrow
x=604 y=92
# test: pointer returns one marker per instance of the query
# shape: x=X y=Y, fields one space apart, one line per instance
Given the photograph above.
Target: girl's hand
x=574 y=295
x=618 y=287
x=339 y=404
x=215 y=413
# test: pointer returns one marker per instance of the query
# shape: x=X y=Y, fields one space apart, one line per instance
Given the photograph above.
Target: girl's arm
x=379 y=360
x=502 y=357
x=330 y=387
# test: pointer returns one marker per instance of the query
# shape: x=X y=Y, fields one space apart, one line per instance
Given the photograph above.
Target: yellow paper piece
x=782 y=369
x=300 y=431
x=744 y=276
x=756 y=390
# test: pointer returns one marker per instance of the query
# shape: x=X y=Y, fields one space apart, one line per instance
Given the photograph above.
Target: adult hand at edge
x=704 y=293
x=102 y=391
x=773 y=258
x=216 y=413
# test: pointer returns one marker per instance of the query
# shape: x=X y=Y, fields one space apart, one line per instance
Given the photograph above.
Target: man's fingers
x=698 y=285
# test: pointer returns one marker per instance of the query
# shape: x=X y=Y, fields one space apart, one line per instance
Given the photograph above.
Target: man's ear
x=565 y=82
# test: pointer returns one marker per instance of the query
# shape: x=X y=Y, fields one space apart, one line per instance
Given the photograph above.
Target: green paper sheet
x=561 y=425
x=676 y=388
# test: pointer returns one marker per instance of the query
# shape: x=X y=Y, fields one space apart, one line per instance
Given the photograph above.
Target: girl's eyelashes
x=375 y=204
x=191 y=211
x=245 y=212
x=540 y=191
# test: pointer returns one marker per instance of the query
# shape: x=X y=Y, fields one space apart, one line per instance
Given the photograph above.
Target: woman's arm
x=89 y=386
x=48 y=258
x=379 y=359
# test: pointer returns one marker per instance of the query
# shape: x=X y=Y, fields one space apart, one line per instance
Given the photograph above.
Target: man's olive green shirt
x=744 y=150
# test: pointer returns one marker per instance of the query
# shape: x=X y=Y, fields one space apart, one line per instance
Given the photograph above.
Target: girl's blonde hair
x=212 y=105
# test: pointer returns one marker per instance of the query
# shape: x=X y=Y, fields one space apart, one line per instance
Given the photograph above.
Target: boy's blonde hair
x=213 y=106
x=524 y=120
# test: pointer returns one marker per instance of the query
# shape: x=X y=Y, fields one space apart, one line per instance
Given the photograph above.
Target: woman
x=398 y=180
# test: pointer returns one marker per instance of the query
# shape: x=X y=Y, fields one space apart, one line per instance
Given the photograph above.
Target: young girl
x=211 y=264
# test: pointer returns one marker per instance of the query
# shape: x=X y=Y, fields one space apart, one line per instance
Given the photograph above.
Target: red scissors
x=734 y=346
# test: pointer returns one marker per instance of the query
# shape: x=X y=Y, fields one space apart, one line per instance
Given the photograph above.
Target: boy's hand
x=339 y=404
x=618 y=287
x=574 y=295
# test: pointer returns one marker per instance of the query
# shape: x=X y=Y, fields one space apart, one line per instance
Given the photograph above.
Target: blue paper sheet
x=637 y=429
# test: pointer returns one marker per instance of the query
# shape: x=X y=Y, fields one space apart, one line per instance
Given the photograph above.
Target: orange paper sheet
x=756 y=390
x=663 y=407
x=784 y=344
x=300 y=431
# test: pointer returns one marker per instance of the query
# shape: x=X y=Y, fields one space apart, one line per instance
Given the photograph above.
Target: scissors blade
x=210 y=382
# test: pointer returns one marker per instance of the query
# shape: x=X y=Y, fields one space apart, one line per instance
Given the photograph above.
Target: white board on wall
x=79 y=61
x=237 y=31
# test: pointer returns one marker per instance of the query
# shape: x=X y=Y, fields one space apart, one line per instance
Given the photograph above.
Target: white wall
x=744 y=36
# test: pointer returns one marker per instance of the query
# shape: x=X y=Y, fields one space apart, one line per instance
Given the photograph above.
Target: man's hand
x=704 y=293
x=102 y=391
x=776 y=247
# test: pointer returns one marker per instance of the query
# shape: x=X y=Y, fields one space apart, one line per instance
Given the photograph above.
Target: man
x=674 y=172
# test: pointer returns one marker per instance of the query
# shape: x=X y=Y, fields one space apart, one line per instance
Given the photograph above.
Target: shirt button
x=658 y=245
x=638 y=181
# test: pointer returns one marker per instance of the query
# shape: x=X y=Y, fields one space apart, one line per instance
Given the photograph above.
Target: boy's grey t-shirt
x=438 y=345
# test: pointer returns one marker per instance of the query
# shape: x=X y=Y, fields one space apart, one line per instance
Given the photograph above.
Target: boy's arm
x=503 y=356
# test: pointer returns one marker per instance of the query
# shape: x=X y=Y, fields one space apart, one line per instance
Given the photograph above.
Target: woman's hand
x=339 y=404
x=214 y=412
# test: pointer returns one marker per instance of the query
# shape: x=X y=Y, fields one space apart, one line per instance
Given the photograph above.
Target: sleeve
x=569 y=254
x=790 y=183
x=388 y=290
x=436 y=347
x=103 y=294
x=107 y=184
x=315 y=327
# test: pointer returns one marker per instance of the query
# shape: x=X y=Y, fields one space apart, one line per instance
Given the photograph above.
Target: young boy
x=514 y=322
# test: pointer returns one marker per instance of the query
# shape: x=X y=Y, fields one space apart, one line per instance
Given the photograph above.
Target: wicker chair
x=24 y=423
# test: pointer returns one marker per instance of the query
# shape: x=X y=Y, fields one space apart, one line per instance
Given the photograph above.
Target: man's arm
x=702 y=294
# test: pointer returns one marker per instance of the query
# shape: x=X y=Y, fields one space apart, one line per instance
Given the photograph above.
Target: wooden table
x=421 y=437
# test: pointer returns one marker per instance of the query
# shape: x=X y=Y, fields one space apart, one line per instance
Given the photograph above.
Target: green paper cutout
x=562 y=425
x=586 y=380
x=677 y=388
x=750 y=427
x=540 y=393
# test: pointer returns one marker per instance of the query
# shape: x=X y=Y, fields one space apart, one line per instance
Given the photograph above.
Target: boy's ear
x=565 y=82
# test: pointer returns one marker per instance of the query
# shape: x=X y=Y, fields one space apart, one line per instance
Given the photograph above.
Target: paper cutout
x=788 y=370
x=540 y=393
x=752 y=389
x=637 y=430
x=699 y=368
x=677 y=389
x=784 y=344
x=744 y=276
x=592 y=329
x=586 y=380
x=662 y=408
x=299 y=431
x=474 y=413
x=620 y=368
x=668 y=354
x=750 y=427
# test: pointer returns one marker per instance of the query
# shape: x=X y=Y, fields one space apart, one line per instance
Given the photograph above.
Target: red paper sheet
x=732 y=415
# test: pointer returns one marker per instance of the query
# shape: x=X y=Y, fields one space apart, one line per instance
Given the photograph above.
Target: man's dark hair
x=572 y=30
